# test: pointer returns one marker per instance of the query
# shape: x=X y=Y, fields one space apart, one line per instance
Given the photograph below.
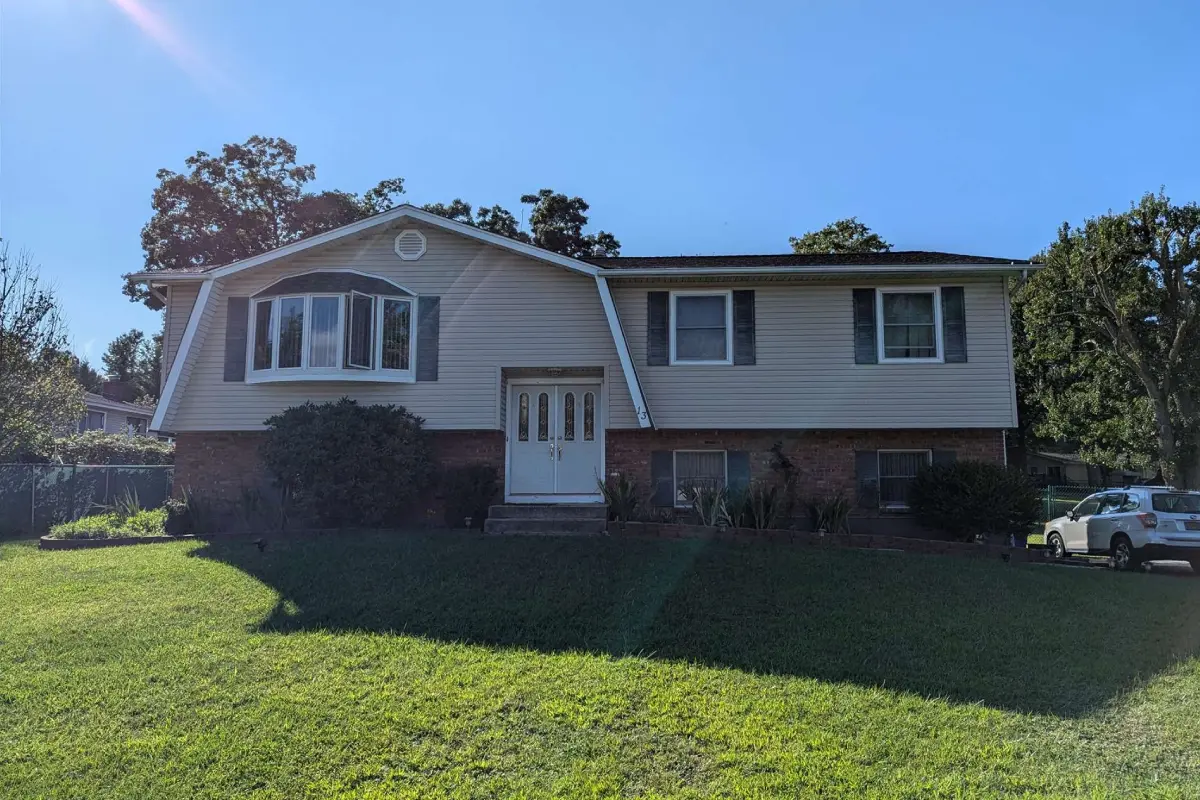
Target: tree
x=133 y=359
x=556 y=223
x=1107 y=338
x=249 y=199
x=39 y=395
x=844 y=236
x=88 y=378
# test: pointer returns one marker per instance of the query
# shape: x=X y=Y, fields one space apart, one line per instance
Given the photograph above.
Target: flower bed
x=111 y=525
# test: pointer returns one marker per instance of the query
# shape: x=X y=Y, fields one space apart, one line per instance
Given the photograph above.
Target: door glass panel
x=589 y=417
x=543 y=417
x=569 y=416
x=523 y=418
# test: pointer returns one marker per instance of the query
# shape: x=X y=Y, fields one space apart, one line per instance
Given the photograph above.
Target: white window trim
x=87 y=412
x=374 y=374
x=936 y=291
x=725 y=293
x=675 y=472
x=879 y=474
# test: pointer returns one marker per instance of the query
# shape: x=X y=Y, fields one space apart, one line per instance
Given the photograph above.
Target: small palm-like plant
x=830 y=514
x=709 y=503
x=621 y=494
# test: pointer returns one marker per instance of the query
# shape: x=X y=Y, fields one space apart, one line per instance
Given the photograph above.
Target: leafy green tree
x=844 y=236
x=1106 y=338
x=39 y=395
x=133 y=359
x=247 y=200
x=556 y=223
x=89 y=379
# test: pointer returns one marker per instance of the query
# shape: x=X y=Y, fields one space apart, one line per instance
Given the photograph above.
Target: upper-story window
x=332 y=336
x=911 y=324
x=701 y=327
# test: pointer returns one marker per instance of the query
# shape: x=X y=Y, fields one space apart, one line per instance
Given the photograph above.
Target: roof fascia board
x=185 y=346
x=627 y=368
x=860 y=270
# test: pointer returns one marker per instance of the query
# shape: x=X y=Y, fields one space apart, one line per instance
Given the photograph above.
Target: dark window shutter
x=866 y=474
x=657 y=319
x=944 y=457
x=954 y=325
x=662 y=478
x=429 y=312
x=737 y=468
x=237 y=323
x=865 y=351
x=743 y=326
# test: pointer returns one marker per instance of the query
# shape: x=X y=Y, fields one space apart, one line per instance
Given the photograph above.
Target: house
x=1068 y=469
x=676 y=371
x=114 y=416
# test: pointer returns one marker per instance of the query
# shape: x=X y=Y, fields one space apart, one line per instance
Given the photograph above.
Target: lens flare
x=169 y=40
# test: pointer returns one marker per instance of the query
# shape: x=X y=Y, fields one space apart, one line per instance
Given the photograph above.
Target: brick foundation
x=220 y=464
x=824 y=458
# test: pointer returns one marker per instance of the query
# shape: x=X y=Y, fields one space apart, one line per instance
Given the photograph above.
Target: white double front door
x=554 y=442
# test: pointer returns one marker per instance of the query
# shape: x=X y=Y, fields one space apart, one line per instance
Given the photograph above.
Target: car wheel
x=1058 y=548
x=1124 y=557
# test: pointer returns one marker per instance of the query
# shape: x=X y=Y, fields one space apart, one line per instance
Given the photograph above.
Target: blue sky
x=689 y=127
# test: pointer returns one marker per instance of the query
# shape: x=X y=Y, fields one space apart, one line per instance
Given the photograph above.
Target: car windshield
x=1176 y=503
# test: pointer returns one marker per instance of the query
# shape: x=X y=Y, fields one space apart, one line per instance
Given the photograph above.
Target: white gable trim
x=387 y=217
x=182 y=355
x=618 y=334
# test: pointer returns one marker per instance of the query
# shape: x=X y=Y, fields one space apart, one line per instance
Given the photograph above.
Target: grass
x=458 y=666
x=113 y=525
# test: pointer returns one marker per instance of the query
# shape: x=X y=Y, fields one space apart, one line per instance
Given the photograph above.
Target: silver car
x=1131 y=525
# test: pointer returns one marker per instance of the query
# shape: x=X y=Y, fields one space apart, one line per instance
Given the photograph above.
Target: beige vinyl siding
x=805 y=375
x=498 y=309
x=180 y=299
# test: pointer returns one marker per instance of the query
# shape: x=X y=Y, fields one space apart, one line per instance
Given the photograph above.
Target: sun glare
x=159 y=30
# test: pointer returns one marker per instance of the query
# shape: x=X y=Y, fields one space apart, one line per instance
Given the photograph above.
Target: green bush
x=98 y=447
x=974 y=499
x=350 y=465
x=621 y=495
x=467 y=492
x=830 y=514
x=113 y=525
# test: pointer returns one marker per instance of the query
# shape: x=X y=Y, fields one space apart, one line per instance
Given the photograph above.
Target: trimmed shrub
x=350 y=465
x=467 y=492
x=98 y=447
x=970 y=500
x=113 y=525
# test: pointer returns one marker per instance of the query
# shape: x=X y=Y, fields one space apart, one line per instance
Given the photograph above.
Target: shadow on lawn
x=1025 y=638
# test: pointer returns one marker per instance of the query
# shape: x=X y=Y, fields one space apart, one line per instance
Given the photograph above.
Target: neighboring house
x=676 y=371
x=1068 y=469
x=114 y=416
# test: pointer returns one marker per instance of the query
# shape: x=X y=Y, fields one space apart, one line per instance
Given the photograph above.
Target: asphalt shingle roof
x=894 y=258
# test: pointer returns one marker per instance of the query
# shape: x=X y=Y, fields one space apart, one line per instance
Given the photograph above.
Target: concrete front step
x=549 y=511
x=545 y=527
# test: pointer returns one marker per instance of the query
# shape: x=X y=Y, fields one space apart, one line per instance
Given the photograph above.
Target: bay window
x=351 y=336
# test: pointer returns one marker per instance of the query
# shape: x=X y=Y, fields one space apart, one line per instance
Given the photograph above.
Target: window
x=92 y=421
x=332 y=336
x=1088 y=506
x=1175 y=503
x=135 y=426
x=701 y=327
x=696 y=470
x=897 y=468
x=1110 y=503
x=911 y=324
x=1054 y=473
x=523 y=417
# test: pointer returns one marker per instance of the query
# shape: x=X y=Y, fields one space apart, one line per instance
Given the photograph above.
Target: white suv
x=1132 y=525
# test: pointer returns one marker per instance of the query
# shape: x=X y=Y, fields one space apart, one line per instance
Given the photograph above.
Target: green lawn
x=445 y=665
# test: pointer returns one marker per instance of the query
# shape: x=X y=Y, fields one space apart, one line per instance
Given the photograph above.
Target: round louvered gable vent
x=410 y=244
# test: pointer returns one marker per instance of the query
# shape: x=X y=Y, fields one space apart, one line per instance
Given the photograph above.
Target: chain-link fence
x=35 y=496
x=1058 y=500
